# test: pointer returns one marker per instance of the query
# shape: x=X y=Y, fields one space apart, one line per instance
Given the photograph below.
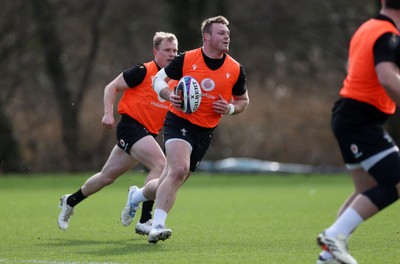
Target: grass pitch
x=216 y=219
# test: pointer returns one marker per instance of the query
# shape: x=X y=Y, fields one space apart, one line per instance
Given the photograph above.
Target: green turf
x=216 y=219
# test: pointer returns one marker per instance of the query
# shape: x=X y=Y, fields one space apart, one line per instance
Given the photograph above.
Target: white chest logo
x=207 y=84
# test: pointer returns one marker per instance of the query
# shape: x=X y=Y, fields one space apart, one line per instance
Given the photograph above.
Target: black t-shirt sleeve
x=387 y=49
x=174 y=68
x=135 y=75
x=240 y=86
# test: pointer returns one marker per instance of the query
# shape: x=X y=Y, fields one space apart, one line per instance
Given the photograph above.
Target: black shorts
x=198 y=137
x=130 y=131
x=359 y=130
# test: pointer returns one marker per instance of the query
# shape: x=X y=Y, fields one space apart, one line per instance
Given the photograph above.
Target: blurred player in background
x=142 y=116
x=369 y=96
x=188 y=136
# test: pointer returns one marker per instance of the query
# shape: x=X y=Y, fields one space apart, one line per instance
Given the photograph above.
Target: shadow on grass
x=106 y=248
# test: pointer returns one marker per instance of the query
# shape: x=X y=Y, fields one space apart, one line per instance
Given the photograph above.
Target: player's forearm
x=160 y=85
x=109 y=99
x=240 y=104
x=389 y=78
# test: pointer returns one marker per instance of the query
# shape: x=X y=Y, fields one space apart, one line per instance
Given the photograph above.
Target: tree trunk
x=69 y=103
x=187 y=26
x=52 y=48
x=10 y=157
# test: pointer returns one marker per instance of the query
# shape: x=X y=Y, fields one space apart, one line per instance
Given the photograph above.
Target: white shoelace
x=68 y=213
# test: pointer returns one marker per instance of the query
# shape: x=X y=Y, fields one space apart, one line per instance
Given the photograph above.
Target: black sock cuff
x=76 y=198
x=147 y=207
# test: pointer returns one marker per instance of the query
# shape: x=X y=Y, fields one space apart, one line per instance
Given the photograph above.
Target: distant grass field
x=217 y=219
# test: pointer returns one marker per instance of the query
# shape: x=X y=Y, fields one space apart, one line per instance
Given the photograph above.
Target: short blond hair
x=206 y=24
x=160 y=36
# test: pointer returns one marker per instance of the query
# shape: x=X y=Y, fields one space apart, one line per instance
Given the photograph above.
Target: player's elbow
x=388 y=75
x=386 y=81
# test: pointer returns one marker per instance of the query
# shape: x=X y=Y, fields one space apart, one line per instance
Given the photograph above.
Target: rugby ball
x=190 y=92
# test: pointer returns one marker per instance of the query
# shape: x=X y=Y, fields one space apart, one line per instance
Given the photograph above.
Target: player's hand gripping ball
x=190 y=92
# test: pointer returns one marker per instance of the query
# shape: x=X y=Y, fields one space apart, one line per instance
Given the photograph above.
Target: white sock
x=326 y=255
x=138 y=197
x=159 y=217
x=345 y=224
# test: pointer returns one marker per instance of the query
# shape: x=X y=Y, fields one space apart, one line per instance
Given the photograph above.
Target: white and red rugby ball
x=190 y=92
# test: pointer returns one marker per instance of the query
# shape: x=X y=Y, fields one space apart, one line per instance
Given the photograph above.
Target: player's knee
x=179 y=172
x=386 y=172
x=108 y=180
x=382 y=195
x=155 y=165
x=159 y=166
x=107 y=177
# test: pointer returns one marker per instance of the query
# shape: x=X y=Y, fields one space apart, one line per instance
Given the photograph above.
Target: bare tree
x=187 y=27
x=12 y=39
x=68 y=101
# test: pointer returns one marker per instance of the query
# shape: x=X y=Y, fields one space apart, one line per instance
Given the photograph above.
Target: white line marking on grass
x=50 y=261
